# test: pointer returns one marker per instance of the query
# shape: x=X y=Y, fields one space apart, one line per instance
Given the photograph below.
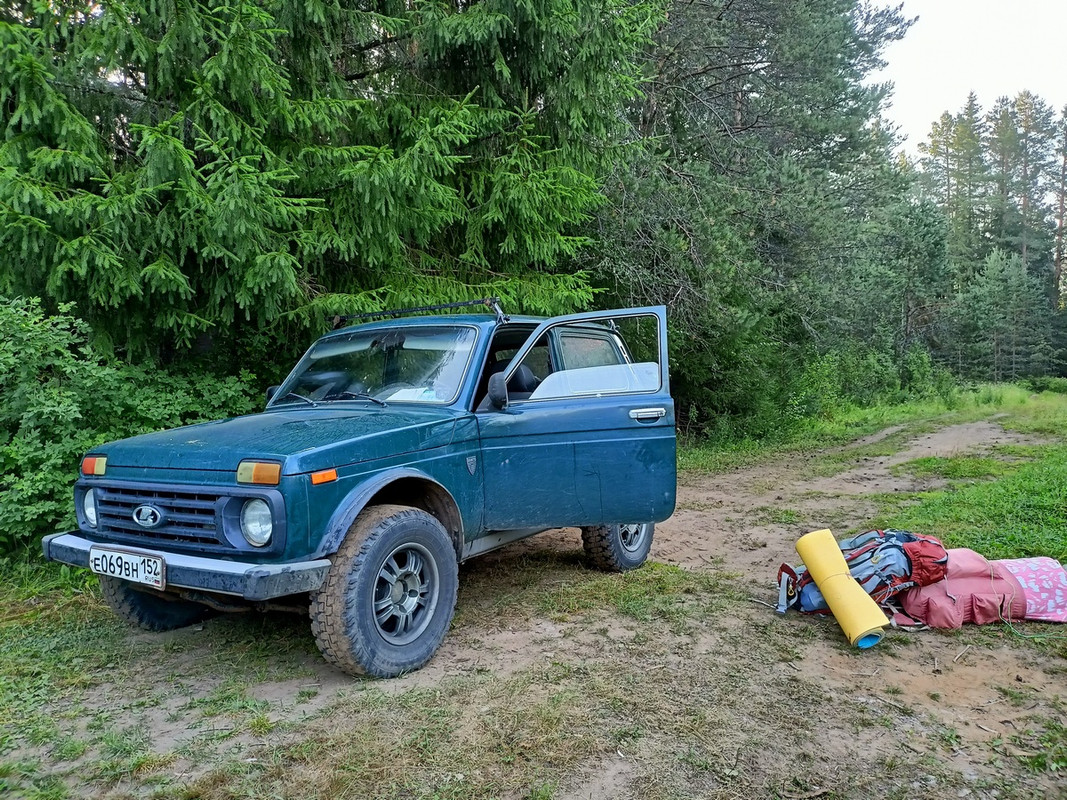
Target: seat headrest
x=523 y=380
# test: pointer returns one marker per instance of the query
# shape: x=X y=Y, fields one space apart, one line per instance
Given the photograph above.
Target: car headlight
x=89 y=507
x=257 y=523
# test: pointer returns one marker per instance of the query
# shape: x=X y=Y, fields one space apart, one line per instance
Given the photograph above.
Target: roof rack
x=491 y=302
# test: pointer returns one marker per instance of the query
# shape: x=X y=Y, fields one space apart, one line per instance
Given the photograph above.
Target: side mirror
x=498 y=391
x=271 y=391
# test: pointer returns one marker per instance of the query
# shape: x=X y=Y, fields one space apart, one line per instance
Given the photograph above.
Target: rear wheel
x=153 y=611
x=618 y=548
x=388 y=599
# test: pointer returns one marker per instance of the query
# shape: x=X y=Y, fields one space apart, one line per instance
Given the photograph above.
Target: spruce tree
x=180 y=167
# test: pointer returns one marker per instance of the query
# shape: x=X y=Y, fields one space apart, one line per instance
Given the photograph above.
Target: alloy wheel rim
x=406 y=591
x=632 y=537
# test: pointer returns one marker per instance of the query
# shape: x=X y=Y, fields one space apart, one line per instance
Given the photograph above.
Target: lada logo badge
x=148 y=516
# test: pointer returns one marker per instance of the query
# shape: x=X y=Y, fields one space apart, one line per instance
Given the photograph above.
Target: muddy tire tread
x=327 y=607
x=148 y=611
x=602 y=548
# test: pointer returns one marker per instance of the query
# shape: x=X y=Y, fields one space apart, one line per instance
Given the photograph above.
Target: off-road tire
x=356 y=617
x=153 y=611
x=618 y=548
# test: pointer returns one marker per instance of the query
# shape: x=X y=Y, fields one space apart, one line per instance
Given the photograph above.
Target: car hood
x=303 y=439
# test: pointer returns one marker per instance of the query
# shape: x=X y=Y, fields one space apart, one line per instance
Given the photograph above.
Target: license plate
x=129 y=565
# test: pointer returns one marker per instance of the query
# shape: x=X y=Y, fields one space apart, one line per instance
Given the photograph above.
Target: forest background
x=190 y=191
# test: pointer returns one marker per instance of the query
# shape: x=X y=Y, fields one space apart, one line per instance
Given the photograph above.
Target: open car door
x=579 y=428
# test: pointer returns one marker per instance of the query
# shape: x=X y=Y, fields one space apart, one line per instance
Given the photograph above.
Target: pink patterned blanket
x=1044 y=582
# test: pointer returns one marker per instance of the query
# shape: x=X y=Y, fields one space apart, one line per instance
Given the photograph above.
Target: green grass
x=1022 y=514
x=850 y=423
x=1017 y=510
x=656 y=591
x=957 y=468
x=22 y=779
x=780 y=516
x=1050 y=746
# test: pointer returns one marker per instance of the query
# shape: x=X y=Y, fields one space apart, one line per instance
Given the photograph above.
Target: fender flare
x=357 y=500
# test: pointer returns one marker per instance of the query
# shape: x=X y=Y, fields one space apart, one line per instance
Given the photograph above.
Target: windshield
x=405 y=365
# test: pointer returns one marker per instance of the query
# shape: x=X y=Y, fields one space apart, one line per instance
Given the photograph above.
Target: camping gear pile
x=917 y=582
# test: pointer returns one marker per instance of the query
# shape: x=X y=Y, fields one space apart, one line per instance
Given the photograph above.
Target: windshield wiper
x=358 y=396
x=307 y=400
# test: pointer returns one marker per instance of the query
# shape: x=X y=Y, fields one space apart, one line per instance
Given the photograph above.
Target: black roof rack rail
x=491 y=302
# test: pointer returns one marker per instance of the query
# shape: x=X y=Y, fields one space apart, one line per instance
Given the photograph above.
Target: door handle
x=648 y=414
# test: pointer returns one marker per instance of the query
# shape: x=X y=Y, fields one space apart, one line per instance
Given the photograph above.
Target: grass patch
x=957 y=468
x=1043 y=415
x=23 y=779
x=850 y=423
x=656 y=591
x=51 y=658
x=1022 y=514
x=778 y=516
x=1047 y=748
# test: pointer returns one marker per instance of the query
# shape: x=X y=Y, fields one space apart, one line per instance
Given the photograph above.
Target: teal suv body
x=393 y=451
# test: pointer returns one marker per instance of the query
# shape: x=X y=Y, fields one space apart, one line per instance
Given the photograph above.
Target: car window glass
x=592 y=359
x=404 y=364
x=579 y=348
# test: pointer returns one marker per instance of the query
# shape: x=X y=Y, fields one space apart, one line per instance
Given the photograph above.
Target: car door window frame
x=549 y=327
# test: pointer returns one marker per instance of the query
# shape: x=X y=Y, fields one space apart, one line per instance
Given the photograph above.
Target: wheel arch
x=406 y=487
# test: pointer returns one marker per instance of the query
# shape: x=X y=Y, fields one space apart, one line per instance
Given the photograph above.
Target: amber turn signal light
x=323 y=476
x=261 y=472
x=94 y=465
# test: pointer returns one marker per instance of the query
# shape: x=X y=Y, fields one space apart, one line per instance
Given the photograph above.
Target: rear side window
x=579 y=349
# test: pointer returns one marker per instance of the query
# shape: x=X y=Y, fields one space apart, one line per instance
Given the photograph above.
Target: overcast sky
x=993 y=47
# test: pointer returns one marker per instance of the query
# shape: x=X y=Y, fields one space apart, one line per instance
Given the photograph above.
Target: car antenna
x=493 y=303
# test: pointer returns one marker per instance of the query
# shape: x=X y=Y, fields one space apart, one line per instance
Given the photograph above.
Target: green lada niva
x=393 y=451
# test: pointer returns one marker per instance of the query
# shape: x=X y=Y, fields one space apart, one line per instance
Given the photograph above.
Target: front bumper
x=250 y=581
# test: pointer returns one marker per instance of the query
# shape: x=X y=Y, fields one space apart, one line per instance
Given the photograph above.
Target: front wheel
x=618 y=548
x=389 y=596
x=153 y=611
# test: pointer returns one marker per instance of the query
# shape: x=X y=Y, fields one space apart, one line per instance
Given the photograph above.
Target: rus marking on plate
x=472 y=464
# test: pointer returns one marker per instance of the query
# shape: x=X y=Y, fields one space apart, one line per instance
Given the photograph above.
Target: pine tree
x=1035 y=160
x=970 y=177
x=938 y=160
x=1060 y=205
x=1004 y=224
x=1002 y=322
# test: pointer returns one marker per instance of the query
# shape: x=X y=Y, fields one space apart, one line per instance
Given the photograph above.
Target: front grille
x=190 y=518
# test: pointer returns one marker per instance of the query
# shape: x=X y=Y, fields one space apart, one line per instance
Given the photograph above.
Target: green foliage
x=188 y=168
x=61 y=398
x=1000 y=323
x=1045 y=383
x=768 y=212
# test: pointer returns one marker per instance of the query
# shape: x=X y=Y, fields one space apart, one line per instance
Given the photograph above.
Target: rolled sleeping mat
x=858 y=615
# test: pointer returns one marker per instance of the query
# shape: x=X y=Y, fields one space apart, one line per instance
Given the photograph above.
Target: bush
x=61 y=398
x=1045 y=383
